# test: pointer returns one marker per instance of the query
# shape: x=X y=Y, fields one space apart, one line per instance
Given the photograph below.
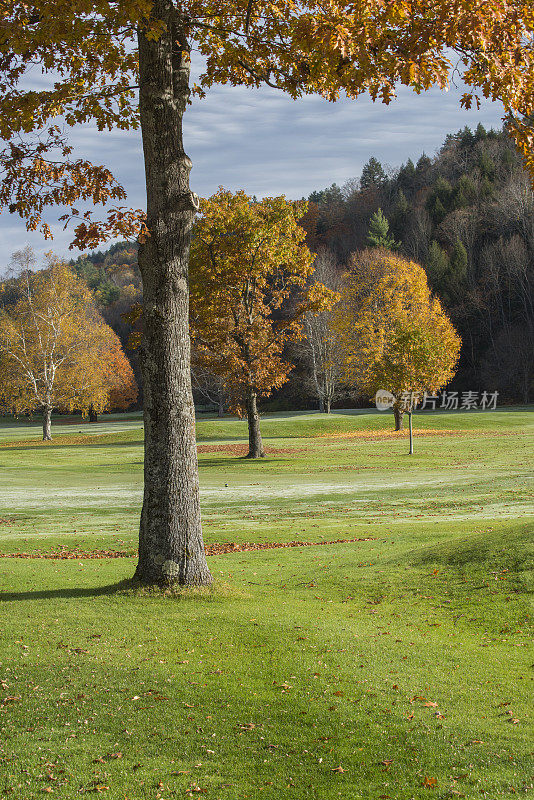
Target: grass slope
x=392 y=668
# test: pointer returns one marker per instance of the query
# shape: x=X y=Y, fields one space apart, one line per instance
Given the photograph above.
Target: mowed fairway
x=396 y=666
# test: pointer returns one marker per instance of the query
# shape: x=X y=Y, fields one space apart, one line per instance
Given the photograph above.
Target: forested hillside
x=466 y=215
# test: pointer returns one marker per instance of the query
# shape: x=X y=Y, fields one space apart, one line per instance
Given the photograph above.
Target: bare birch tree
x=320 y=342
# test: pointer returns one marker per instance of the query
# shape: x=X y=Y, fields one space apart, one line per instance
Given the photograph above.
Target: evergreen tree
x=400 y=215
x=443 y=191
x=439 y=202
x=326 y=197
x=436 y=210
x=378 y=234
x=406 y=177
x=480 y=133
x=422 y=171
x=372 y=174
x=486 y=165
x=458 y=270
x=467 y=138
x=465 y=193
x=437 y=266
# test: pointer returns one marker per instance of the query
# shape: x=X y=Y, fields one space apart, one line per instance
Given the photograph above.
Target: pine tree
x=486 y=165
x=437 y=210
x=423 y=171
x=467 y=138
x=480 y=133
x=439 y=202
x=372 y=174
x=406 y=177
x=443 y=190
x=378 y=234
x=400 y=215
x=437 y=266
x=465 y=193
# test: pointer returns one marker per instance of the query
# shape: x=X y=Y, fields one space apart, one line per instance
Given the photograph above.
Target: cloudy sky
x=268 y=144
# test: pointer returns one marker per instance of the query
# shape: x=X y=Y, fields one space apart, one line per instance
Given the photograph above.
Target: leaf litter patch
x=378 y=435
x=242 y=449
x=217 y=549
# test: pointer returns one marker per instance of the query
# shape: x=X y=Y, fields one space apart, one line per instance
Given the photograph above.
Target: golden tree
x=101 y=53
x=56 y=352
x=394 y=335
x=250 y=294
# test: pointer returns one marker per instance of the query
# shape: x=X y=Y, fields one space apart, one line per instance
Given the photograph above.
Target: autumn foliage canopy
x=250 y=290
x=343 y=47
x=394 y=335
x=55 y=349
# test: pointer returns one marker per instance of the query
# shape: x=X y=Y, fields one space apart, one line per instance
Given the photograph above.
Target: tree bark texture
x=47 y=424
x=255 y=444
x=171 y=548
x=93 y=416
x=399 y=418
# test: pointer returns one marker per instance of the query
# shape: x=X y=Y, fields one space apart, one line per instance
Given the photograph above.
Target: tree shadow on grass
x=233 y=460
x=121 y=587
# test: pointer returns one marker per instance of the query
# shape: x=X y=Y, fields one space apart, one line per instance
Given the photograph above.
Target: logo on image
x=384 y=400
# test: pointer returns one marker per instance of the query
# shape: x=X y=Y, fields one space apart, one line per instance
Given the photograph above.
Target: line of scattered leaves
x=242 y=449
x=389 y=434
x=217 y=549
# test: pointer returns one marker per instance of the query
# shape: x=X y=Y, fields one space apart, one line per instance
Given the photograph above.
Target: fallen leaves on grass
x=390 y=434
x=195 y=789
x=216 y=549
x=72 y=554
x=429 y=783
x=242 y=449
x=8 y=700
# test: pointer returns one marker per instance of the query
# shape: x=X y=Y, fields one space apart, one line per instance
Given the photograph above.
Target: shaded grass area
x=392 y=668
x=319 y=675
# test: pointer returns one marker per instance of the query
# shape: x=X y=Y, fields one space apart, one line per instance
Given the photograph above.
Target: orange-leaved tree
x=394 y=335
x=56 y=352
x=250 y=293
x=99 y=55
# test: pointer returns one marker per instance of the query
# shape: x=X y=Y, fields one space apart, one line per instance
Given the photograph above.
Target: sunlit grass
x=396 y=667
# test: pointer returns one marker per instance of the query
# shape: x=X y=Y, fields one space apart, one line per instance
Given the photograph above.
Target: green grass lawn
x=396 y=667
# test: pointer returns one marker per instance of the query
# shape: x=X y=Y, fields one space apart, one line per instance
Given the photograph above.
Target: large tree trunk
x=171 y=549
x=47 y=424
x=93 y=416
x=328 y=403
x=255 y=444
x=399 y=417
